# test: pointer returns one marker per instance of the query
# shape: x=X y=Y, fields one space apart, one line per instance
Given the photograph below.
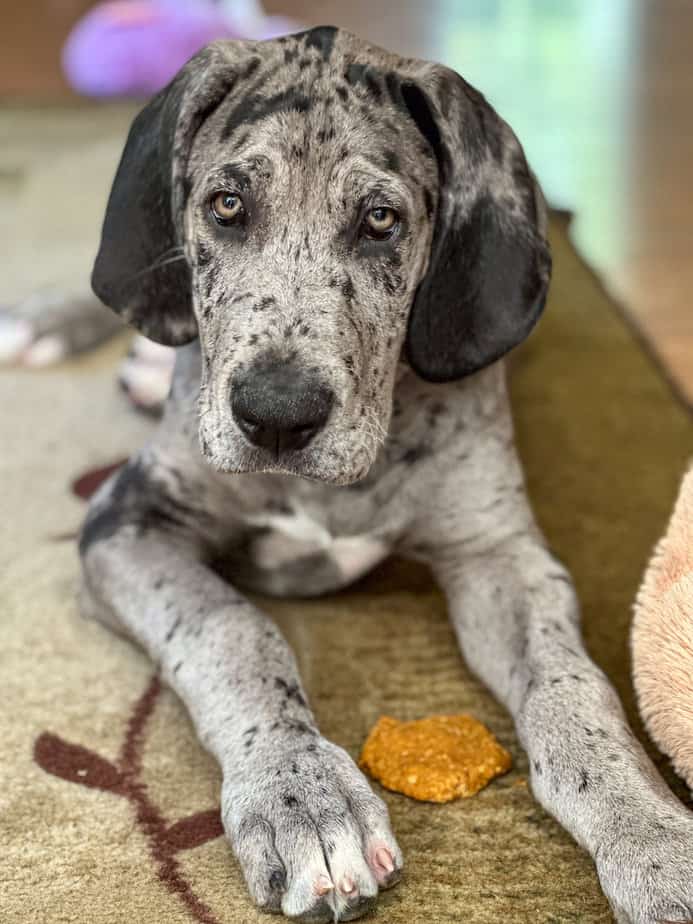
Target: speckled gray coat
x=342 y=397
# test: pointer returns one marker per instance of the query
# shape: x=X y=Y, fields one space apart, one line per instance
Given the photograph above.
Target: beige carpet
x=107 y=803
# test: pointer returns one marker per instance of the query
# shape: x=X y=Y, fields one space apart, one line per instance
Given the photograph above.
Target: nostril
x=247 y=419
x=303 y=429
x=250 y=426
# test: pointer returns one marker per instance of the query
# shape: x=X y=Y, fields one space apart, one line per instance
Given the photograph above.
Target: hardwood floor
x=599 y=91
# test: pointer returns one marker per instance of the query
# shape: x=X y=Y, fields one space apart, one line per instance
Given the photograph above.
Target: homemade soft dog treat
x=437 y=759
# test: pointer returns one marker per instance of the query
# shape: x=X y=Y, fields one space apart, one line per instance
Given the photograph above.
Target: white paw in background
x=49 y=326
x=21 y=343
x=145 y=375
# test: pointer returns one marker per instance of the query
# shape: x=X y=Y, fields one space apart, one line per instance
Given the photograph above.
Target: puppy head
x=316 y=210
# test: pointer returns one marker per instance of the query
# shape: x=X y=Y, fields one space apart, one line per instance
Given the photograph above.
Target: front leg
x=515 y=613
x=312 y=839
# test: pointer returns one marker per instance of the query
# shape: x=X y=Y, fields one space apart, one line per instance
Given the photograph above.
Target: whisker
x=158 y=264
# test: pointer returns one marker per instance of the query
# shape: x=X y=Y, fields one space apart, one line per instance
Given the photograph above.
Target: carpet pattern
x=108 y=806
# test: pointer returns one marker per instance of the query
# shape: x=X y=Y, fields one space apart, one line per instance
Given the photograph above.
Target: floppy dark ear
x=489 y=265
x=140 y=271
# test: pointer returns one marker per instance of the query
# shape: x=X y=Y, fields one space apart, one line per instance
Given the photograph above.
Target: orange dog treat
x=438 y=759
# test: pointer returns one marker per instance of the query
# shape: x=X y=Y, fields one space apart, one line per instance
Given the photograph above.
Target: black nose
x=278 y=407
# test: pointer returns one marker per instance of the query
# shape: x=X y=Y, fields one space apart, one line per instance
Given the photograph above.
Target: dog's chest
x=285 y=538
x=302 y=546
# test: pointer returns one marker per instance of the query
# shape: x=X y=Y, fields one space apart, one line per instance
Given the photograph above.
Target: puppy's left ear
x=489 y=265
x=140 y=270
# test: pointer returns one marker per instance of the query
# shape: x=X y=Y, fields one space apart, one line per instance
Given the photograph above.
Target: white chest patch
x=297 y=535
x=296 y=525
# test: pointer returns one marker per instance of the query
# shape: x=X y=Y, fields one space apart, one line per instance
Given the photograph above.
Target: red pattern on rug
x=77 y=764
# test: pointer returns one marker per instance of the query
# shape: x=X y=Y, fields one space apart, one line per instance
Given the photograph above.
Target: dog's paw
x=313 y=840
x=145 y=375
x=48 y=327
x=648 y=875
x=22 y=343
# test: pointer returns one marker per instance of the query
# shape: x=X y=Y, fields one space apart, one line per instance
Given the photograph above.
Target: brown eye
x=226 y=207
x=379 y=223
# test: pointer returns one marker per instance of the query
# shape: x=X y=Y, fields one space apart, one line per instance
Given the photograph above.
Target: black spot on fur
x=250 y=68
x=414 y=454
x=174 y=628
x=584 y=781
x=209 y=286
x=393 y=85
x=277 y=880
x=290 y=801
x=354 y=73
x=367 y=77
x=347 y=287
x=322 y=38
x=241 y=140
x=392 y=282
x=254 y=108
x=392 y=161
x=137 y=499
x=203 y=256
x=291 y=691
x=297 y=726
x=342 y=92
x=414 y=101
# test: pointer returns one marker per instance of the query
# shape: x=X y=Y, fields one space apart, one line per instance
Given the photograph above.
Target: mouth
x=313 y=462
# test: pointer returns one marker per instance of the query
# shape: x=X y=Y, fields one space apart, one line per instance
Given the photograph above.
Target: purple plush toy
x=134 y=47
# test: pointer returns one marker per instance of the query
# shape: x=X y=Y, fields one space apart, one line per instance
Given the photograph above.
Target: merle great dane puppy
x=343 y=243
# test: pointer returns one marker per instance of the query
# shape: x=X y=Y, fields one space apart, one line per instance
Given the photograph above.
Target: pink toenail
x=347 y=885
x=323 y=885
x=384 y=859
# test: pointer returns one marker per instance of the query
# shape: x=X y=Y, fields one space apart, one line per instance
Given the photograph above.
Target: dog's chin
x=311 y=463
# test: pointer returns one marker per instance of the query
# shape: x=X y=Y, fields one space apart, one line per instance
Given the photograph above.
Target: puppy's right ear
x=140 y=269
